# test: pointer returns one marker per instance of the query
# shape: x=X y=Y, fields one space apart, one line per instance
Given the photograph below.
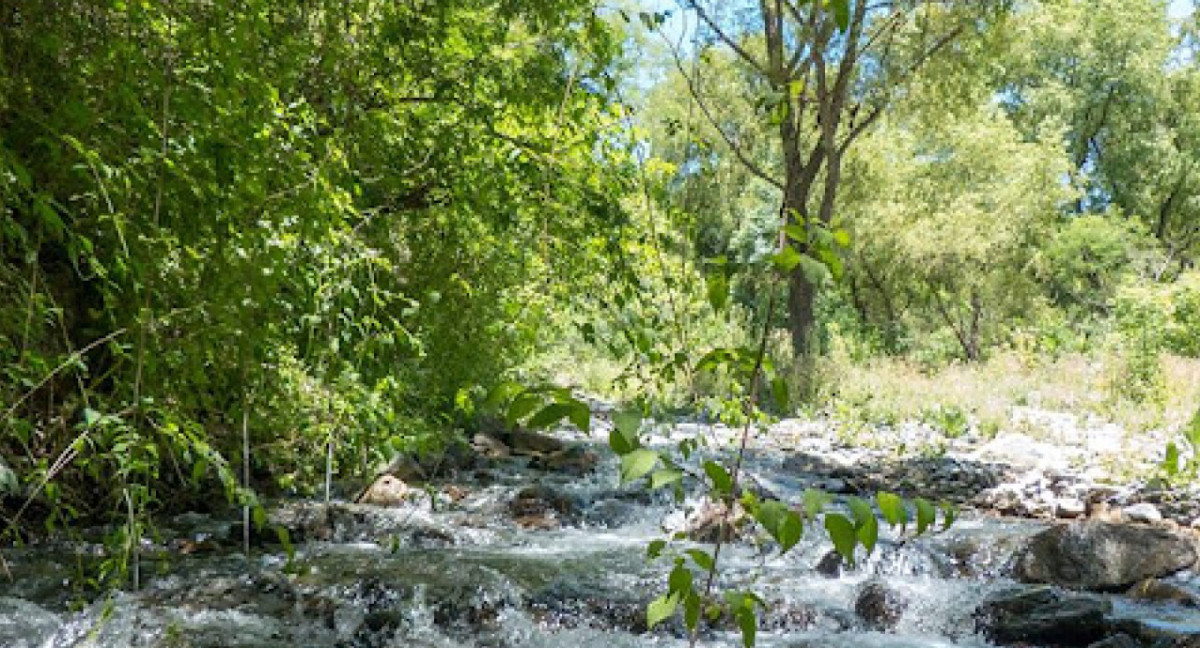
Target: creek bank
x=535 y=544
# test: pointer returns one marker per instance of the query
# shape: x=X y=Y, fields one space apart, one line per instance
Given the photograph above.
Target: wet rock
x=788 y=616
x=1143 y=512
x=387 y=490
x=24 y=624
x=830 y=565
x=574 y=605
x=1042 y=615
x=403 y=467
x=880 y=606
x=532 y=443
x=712 y=522
x=574 y=460
x=1101 y=555
x=1153 y=589
x=540 y=507
x=1120 y=640
x=489 y=446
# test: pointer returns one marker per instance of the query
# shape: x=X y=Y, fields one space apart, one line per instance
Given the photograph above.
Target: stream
x=452 y=567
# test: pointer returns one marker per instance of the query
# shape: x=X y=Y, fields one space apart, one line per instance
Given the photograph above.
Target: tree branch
x=738 y=49
x=704 y=109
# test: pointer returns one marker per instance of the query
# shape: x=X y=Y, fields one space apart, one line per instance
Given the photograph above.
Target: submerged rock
x=1042 y=615
x=880 y=606
x=1102 y=555
x=1121 y=640
x=1156 y=590
x=540 y=507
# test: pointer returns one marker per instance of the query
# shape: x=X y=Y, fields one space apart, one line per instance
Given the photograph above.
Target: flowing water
x=463 y=573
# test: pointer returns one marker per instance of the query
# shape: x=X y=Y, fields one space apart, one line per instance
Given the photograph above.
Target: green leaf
x=661 y=609
x=893 y=509
x=1170 y=463
x=90 y=417
x=779 y=393
x=702 y=559
x=691 y=610
x=815 y=501
x=637 y=463
x=747 y=621
x=842 y=238
x=680 y=579
x=787 y=259
x=664 y=477
x=721 y=480
x=841 y=12
x=579 y=414
x=796 y=232
x=521 y=407
x=655 y=548
x=861 y=510
x=926 y=514
x=619 y=443
x=868 y=534
x=717 y=290
x=626 y=424
x=501 y=393
x=841 y=532
x=548 y=415
x=949 y=514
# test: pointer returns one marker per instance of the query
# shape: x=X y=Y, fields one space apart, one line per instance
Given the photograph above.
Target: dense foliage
x=312 y=223
x=244 y=245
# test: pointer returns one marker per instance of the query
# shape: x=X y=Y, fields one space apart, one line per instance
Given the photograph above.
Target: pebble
x=1143 y=512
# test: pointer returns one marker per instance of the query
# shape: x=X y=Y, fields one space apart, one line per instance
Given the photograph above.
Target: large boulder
x=1042 y=616
x=1102 y=555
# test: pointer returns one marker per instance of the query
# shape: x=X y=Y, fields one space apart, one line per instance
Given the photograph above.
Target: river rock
x=711 y=522
x=574 y=460
x=385 y=491
x=1102 y=555
x=880 y=606
x=489 y=446
x=1042 y=615
x=1144 y=512
x=1153 y=589
x=532 y=443
x=1121 y=640
x=540 y=507
x=830 y=565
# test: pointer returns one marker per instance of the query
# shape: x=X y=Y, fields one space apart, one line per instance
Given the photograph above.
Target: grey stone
x=1042 y=615
x=1103 y=555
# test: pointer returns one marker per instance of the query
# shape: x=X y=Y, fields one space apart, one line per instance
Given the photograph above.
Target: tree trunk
x=802 y=319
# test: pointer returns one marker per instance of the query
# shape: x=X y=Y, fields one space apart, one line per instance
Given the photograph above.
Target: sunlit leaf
x=637 y=464
x=661 y=609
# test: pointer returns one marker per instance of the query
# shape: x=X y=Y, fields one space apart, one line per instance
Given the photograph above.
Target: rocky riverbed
x=529 y=540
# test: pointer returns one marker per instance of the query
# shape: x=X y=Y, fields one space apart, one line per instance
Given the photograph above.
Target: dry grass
x=893 y=390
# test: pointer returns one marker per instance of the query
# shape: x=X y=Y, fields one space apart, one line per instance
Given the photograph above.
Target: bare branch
x=704 y=109
x=738 y=49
